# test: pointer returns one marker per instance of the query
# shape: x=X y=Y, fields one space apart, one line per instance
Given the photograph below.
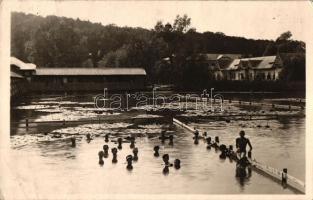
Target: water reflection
x=243 y=171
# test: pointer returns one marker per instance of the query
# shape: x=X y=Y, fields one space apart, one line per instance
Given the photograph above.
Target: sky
x=250 y=19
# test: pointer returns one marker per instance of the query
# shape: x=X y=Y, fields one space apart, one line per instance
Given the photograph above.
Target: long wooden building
x=77 y=79
x=88 y=79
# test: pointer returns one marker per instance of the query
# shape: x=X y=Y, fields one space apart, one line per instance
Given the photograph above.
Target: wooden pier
x=135 y=120
x=273 y=173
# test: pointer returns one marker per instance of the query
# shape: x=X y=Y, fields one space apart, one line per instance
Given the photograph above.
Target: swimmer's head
x=156 y=148
x=166 y=157
x=242 y=133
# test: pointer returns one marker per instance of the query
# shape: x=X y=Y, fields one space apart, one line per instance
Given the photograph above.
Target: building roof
x=210 y=56
x=89 y=71
x=22 y=65
x=233 y=65
x=265 y=62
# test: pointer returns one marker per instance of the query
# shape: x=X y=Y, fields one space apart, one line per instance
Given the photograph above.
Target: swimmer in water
x=156 y=151
x=106 y=151
x=166 y=158
x=163 y=137
x=177 y=164
x=241 y=144
x=114 y=152
x=100 y=154
x=135 y=152
x=132 y=142
x=196 y=137
x=106 y=138
x=129 y=160
x=88 y=136
x=119 y=141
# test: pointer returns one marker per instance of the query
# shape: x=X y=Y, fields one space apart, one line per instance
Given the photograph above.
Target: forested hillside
x=64 y=42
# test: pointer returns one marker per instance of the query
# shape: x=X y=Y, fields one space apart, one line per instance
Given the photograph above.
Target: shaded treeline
x=64 y=42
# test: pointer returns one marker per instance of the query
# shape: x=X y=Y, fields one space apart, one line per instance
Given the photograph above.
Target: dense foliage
x=63 y=42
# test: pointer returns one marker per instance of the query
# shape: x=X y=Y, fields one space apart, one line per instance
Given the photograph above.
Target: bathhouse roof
x=15 y=75
x=89 y=71
x=22 y=65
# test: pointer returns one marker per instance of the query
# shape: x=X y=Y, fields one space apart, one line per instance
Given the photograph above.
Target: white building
x=216 y=63
x=258 y=68
x=233 y=67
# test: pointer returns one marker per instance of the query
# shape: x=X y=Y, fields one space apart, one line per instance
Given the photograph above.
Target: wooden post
x=26 y=121
x=63 y=122
x=284 y=176
x=229 y=101
x=273 y=105
x=73 y=140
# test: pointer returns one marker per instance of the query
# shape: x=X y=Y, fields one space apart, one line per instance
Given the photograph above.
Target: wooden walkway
x=31 y=123
x=275 y=174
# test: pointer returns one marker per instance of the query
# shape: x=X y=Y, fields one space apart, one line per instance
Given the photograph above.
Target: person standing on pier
x=241 y=144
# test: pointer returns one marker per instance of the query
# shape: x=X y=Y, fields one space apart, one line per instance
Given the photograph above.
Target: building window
x=268 y=76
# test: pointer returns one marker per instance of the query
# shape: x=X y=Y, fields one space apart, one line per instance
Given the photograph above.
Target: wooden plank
x=277 y=174
x=160 y=119
x=179 y=123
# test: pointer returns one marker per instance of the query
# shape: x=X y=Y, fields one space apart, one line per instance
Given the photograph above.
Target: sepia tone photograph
x=156 y=99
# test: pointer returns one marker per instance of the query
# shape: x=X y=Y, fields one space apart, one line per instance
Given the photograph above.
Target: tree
x=220 y=33
x=159 y=27
x=168 y=27
x=181 y=24
x=294 y=67
x=284 y=36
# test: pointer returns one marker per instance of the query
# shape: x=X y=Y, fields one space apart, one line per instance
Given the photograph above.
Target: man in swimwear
x=241 y=144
